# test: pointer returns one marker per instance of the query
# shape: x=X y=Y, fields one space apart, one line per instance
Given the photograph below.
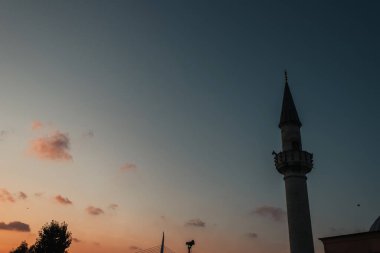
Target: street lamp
x=190 y=244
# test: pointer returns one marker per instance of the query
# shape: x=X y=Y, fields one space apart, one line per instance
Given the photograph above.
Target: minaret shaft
x=299 y=222
x=294 y=163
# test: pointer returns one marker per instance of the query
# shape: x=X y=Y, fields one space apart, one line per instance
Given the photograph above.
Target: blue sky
x=189 y=93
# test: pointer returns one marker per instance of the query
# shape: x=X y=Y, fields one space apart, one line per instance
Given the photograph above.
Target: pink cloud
x=134 y=248
x=76 y=240
x=195 y=223
x=15 y=226
x=128 y=167
x=113 y=206
x=275 y=213
x=6 y=196
x=4 y=133
x=53 y=147
x=89 y=134
x=22 y=195
x=252 y=235
x=38 y=194
x=37 y=125
x=63 y=200
x=94 y=210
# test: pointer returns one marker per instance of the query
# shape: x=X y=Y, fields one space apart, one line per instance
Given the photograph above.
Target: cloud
x=22 y=195
x=63 y=200
x=38 y=194
x=89 y=134
x=252 y=235
x=76 y=240
x=195 y=223
x=4 y=134
x=15 y=226
x=37 y=125
x=275 y=213
x=53 y=147
x=94 y=210
x=133 y=247
x=128 y=167
x=5 y=196
x=113 y=206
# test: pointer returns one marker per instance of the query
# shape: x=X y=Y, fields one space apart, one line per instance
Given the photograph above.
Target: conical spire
x=162 y=243
x=289 y=112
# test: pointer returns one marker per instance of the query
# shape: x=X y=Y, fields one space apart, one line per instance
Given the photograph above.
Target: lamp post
x=189 y=245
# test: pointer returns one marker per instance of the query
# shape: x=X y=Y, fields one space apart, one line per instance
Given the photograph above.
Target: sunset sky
x=127 y=119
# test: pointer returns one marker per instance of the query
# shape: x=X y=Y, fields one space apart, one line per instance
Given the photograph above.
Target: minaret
x=294 y=163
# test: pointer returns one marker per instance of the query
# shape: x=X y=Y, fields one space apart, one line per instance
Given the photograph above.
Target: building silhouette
x=294 y=163
x=365 y=242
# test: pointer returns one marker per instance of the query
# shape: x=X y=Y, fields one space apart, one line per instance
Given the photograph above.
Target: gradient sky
x=129 y=118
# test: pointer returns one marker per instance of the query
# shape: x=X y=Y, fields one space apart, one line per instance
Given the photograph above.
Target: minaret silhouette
x=294 y=164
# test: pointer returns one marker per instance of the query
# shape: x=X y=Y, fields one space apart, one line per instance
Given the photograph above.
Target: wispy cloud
x=88 y=134
x=113 y=206
x=6 y=196
x=94 y=210
x=4 y=134
x=195 y=223
x=62 y=200
x=15 y=226
x=22 y=195
x=38 y=194
x=275 y=213
x=128 y=167
x=251 y=235
x=76 y=240
x=52 y=147
x=37 y=125
x=133 y=247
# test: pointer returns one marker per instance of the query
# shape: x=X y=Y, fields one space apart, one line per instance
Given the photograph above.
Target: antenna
x=162 y=243
x=286 y=76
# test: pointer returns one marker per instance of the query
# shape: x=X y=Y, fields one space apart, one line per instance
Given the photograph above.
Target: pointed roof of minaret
x=288 y=112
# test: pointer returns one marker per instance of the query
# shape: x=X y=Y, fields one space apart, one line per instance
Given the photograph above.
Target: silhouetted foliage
x=52 y=238
x=23 y=248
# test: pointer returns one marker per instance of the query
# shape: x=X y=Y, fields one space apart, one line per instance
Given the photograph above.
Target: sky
x=126 y=119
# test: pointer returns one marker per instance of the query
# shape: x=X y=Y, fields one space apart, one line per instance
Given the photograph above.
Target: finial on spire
x=286 y=76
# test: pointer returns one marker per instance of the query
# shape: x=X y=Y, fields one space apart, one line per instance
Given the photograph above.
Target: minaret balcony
x=294 y=160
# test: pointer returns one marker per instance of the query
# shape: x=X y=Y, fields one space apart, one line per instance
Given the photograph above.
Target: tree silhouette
x=52 y=238
x=23 y=248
